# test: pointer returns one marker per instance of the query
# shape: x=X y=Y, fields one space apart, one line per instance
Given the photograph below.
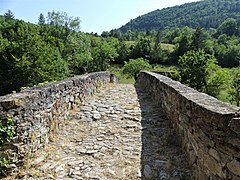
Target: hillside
x=205 y=14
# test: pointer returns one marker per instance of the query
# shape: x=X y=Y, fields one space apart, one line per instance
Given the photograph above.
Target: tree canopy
x=55 y=48
x=204 y=14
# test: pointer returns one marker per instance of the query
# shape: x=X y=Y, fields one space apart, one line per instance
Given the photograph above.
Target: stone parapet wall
x=38 y=112
x=210 y=129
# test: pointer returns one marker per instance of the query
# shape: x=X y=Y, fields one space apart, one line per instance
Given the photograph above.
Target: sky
x=96 y=15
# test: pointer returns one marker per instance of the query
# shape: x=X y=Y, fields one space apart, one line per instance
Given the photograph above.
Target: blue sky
x=95 y=15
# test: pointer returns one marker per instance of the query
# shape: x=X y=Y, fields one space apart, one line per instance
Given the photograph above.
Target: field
x=125 y=79
x=164 y=46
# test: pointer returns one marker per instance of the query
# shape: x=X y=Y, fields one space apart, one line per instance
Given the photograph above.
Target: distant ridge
x=206 y=14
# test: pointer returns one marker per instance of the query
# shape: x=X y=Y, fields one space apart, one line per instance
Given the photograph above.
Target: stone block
x=214 y=166
x=214 y=154
x=234 y=167
x=235 y=125
x=38 y=111
x=209 y=131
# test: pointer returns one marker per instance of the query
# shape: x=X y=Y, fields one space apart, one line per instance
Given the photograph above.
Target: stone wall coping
x=30 y=92
x=209 y=129
x=38 y=112
x=201 y=99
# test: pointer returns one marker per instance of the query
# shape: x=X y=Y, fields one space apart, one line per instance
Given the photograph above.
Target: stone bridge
x=87 y=128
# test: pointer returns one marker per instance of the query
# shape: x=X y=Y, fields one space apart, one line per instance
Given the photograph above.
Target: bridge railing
x=37 y=112
x=210 y=129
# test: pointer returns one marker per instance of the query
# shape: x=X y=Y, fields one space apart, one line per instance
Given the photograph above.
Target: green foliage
x=9 y=15
x=55 y=48
x=229 y=27
x=169 y=71
x=63 y=20
x=217 y=81
x=123 y=52
x=103 y=53
x=123 y=78
x=134 y=66
x=199 y=39
x=77 y=53
x=4 y=163
x=26 y=59
x=227 y=51
x=156 y=53
x=41 y=19
x=183 y=41
x=197 y=14
x=142 y=49
x=7 y=130
x=194 y=68
x=234 y=90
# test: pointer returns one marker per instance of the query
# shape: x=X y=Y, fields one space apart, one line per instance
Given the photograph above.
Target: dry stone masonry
x=119 y=133
x=86 y=128
x=210 y=129
x=37 y=112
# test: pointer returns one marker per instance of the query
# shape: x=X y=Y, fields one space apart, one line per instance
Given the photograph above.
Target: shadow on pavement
x=162 y=156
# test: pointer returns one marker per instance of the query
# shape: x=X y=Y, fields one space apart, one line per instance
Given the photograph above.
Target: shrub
x=134 y=66
x=195 y=68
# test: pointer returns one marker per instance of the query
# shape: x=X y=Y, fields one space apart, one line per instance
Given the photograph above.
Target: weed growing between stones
x=7 y=131
x=4 y=163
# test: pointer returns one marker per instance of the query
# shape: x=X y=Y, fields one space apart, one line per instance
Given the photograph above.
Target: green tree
x=234 y=91
x=123 y=51
x=230 y=27
x=77 y=52
x=198 y=39
x=142 y=49
x=170 y=35
x=134 y=66
x=26 y=59
x=222 y=39
x=41 y=19
x=183 y=42
x=62 y=19
x=194 y=68
x=103 y=53
x=227 y=51
x=201 y=40
x=218 y=79
x=9 y=15
x=59 y=27
x=156 y=51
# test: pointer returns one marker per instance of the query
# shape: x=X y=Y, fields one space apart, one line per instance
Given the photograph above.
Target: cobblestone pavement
x=118 y=134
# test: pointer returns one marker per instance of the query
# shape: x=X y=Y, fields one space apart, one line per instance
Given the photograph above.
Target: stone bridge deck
x=118 y=134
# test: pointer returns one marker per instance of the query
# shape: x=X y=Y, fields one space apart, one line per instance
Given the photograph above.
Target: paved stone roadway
x=118 y=134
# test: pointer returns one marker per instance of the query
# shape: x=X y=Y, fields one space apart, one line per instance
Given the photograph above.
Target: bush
x=195 y=68
x=217 y=81
x=234 y=90
x=134 y=66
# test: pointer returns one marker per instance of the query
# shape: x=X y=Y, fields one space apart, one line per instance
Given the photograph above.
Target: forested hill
x=205 y=14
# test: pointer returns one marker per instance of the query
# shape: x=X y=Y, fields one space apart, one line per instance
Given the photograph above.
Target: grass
x=130 y=43
x=223 y=96
x=164 y=68
x=169 y=47
x=164 y=46
x=124 y=79
x=224 y=93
